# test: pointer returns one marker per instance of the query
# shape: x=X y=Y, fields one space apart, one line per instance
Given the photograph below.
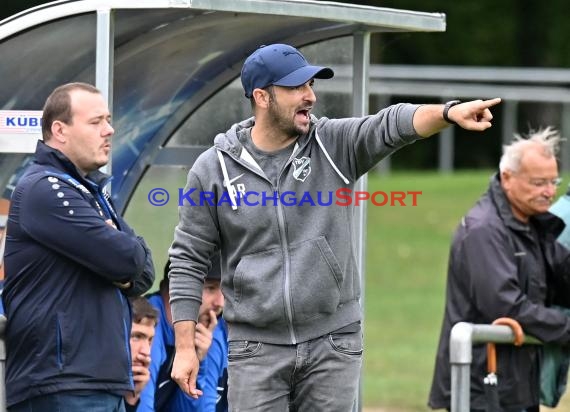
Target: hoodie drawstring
x=338 y=172
x=227 y=180
x=246 y=156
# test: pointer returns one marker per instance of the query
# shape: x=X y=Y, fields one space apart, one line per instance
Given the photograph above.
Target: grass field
x=407 y=249
x=405 y=282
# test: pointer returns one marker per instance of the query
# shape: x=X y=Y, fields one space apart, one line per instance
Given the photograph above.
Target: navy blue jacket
x=68 y=324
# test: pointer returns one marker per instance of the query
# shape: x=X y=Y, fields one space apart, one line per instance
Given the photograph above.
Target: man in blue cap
x=289 y=273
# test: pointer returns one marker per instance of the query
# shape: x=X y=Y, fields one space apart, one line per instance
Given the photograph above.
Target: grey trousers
x=319 y=375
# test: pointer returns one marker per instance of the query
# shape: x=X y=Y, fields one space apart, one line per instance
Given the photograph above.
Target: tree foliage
x=529 y=33
x=507 y=33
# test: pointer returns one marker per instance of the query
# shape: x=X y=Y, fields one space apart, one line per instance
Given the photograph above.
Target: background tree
x=509 y=33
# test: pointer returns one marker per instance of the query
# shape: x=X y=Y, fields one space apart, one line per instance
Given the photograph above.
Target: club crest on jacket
x=302 y=168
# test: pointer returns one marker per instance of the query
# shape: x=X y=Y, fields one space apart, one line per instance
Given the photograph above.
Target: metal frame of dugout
x=159 y=62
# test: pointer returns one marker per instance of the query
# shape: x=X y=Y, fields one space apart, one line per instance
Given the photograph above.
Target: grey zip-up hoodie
x=289 y=271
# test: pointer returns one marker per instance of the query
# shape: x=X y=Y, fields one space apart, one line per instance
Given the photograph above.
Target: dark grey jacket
x=289 y=267
x=499 y=267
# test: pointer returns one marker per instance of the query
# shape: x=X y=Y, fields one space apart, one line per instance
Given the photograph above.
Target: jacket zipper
x=59 y=344
x=287 y=267
x=282 y=238
x=127 y=337
x=286 y=255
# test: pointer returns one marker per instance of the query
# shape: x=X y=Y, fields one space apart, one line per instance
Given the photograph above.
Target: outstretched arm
x=474 y=115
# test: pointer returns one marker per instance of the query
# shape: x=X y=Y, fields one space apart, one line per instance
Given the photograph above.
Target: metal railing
x=463 y=336
x=515 y=85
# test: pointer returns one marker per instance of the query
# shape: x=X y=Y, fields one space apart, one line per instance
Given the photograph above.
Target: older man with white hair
x=505 y=262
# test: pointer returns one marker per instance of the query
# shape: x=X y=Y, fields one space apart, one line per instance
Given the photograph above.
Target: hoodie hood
x=229 y=143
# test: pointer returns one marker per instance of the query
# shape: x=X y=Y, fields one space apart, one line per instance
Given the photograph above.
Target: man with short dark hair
x=288 y=262
x=145 y=319
x=162 y=394
x=71 y=261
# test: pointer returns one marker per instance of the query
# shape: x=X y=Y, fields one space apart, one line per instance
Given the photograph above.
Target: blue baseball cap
x=279 y=65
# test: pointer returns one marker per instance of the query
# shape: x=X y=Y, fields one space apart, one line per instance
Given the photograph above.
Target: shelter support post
x=104 y=61
x=383 y=168
x=361 y=58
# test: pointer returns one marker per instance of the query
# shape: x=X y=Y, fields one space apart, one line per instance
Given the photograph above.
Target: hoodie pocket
x=258 y=286
x=316 y=279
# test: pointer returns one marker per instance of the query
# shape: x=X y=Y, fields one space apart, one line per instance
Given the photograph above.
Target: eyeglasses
x=541 y=183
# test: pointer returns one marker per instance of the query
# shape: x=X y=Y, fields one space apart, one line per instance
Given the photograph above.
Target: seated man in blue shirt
x=145 y=319
x=162 y=394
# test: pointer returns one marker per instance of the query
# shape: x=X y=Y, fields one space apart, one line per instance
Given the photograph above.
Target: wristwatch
x=446 y=108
